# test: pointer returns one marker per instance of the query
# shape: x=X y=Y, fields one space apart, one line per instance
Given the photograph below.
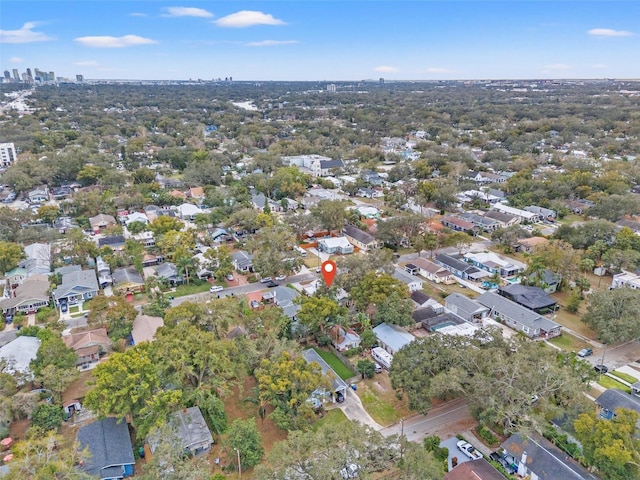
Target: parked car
x=266 y=280
x=230 y=277
x=339 y=397
x=469 y=450
x=378 y=368
x=272 y=284
x=216 y=288
x=281 y=277
x=508 y=467
x=601 y=368
x=585 y=352
x=64 y=307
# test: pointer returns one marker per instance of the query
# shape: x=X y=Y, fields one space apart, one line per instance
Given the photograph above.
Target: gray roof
x=463 y=306
x=111 y=240
x=477 y=219
x=393 y=336
x=454 y=263
x=405 y=277
x=545 y=459
x=190 y=427
x=530 y=297
x=499 y=216
x=311 y=355
x=121 y=275
x=19 y=353
x=420 y=297
x=242 y=258
x=166 y=270
x=76 y=283
x=358 y=234
x=333 y=163
x=612 y=399
x=67 y=269
x=110 y=446
x=520 y=314
x=35 y=287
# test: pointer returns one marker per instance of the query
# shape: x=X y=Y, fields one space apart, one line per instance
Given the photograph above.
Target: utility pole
x=239 y=465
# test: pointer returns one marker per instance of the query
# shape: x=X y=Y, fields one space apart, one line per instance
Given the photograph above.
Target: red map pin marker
x=329 y=271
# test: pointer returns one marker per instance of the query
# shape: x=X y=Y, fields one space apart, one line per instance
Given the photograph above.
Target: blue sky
x=322 y=40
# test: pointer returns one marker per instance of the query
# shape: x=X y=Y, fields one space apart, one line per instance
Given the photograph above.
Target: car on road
x=266 y=280
x=272 y=284
x=216 y=288
x=601 y=368
x=585 y=352
x=469 y=450
x=281 y=277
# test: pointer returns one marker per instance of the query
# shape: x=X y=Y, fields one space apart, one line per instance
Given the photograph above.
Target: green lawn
x=625 y=376
x=334 y=362
x=332 y=417
x=381 y=411
x=609 y=382
x=568 y=342
x=74 y=309
x=190 y=289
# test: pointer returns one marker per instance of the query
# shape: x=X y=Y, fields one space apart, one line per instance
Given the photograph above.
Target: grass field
x=568 y=342
x=190 y=289
x=332 y=417
x=624 y=376
x=335 y=363
x=609 y=382
x=380 y=410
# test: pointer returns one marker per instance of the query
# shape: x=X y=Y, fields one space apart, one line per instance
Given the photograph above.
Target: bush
x=563 y=443
x=487 y=435
x=45 y=314
x=352 y=352
x=47 y=416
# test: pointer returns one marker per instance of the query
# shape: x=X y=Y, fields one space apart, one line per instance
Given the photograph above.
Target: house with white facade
x=335 y=245
x=412 y=282
x=626 y=279
x=523 y=215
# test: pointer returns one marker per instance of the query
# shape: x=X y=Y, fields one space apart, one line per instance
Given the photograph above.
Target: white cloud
x=437 y=70
x=385 y=69
x=114 y=42
x=247 y=18
x=87 y=63
x=138 y=14
x=24 y=35
x=187 y=12
x=608 y=32
x=270 y=43
x=16 y=60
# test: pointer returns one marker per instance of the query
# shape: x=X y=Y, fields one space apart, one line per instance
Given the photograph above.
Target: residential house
x=88 y=346
x=475 y=469
x=467 y=309
x=482 y=223
x=579 y=206
x=423 y=300
x=18 y=354
x=392 y=338
x=361 y=239
x=135 y=217
x=146 y=238
x=612 y=399
x=459 y=268
x=28 y=297
x=364 y=192
x=191 y=429
x=626 y=279
x=459 y=225
x=197 y=193
x=432 y=271
x=533 y=298
x=291 y=204
x=368 y=212
x=38 y=195
x=485 y=178
x=104 y=272
x=178 y=194
x=528 y=245
x=64 y=224
x=316 y=165
x=189 y=212
x=494 y=263
x=77 y=286
x=153 y=211
x=127 y=280
x=145 y=327
x=412 y=282
x=523 y=215
x=344 y=338
x=335 y=245
x=470 y=196
x=544 y=213
x=109 y=444
x=114 y=242
x=14 y=278
x=242 y=261
x=518 y=317
x=101 y=221
x=338 y=385
x=446 y=323
x=168 y=273
x=220 y=235
x=547 y=280
x=631 y=223
x=285 y=298
x=61 y=193
x=504 y=219
x=538 y=459
x=259 y=199
x=38 y=259
x=372 y=178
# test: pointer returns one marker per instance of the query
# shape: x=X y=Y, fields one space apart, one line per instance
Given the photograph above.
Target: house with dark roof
x=533 y=298
x=422 y=300
x=547 y=280
x=518 y=317
x=168 y=272
x=110 y=449
x=466 y=308
x=191 y=429
x=504 y=219
x=474 y=470
x=536 y=457
x=544 y=213
x=242 y=261
x=458 y=224
x=77 y=286
x=482 y=223
x=127 y=280
x=612 y=399
x=114 y=242
x=361 y=239
x=459 y=268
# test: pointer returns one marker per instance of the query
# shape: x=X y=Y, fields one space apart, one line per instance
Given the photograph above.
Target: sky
x=347 y=40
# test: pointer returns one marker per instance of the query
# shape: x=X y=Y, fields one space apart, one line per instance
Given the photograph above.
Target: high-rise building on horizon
x=29 y=72
x=79 y=78
x=8 y=154
x=7 y=75
x=16 y=75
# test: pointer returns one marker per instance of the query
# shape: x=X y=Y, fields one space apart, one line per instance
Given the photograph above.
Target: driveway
x=354 y=411
x=450 y=443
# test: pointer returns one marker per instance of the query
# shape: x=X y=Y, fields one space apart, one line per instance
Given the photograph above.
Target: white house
x=339 y=245
x=411 y=281
x=522 y=214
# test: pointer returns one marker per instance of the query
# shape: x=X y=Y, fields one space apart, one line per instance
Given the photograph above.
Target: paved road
x=242 y=289
x=446 y=420
x=616 y=356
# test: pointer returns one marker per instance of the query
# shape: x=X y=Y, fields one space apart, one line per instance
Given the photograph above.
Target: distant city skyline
x=317 y=40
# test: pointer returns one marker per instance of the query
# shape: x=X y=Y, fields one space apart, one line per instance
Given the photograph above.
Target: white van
x=301 y=251
x=381 y=356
